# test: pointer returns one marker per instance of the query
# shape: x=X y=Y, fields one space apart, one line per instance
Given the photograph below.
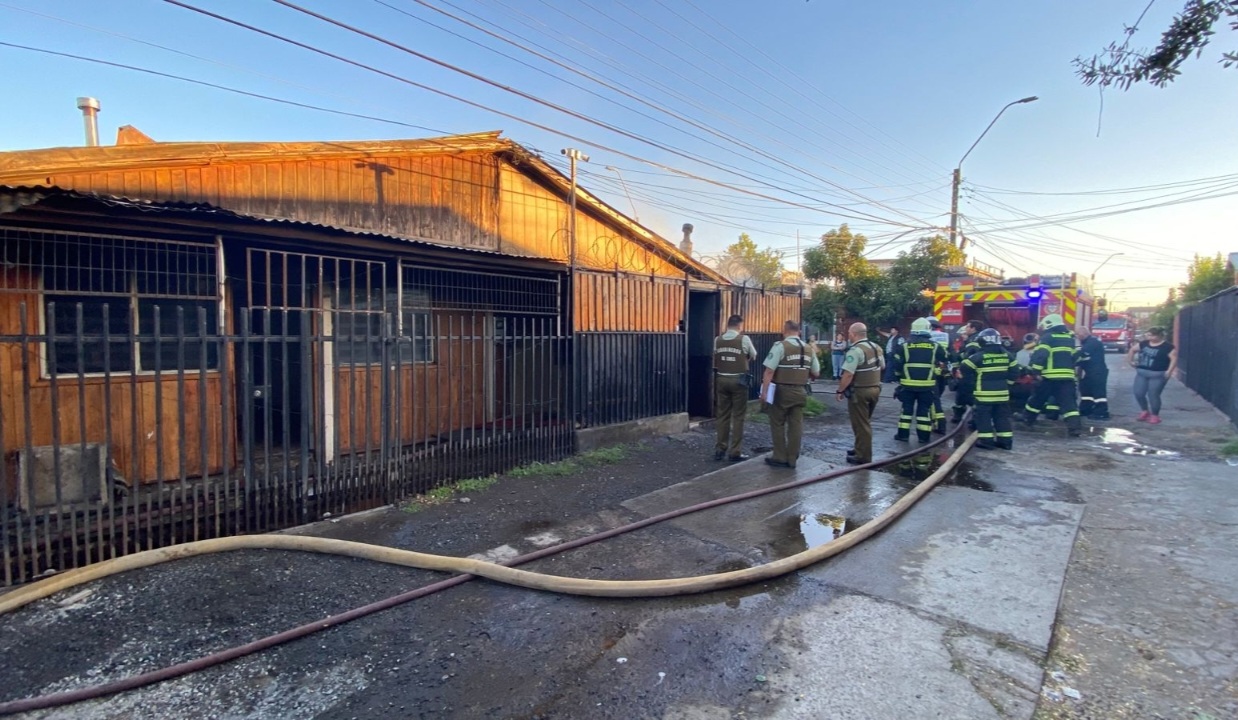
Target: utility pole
x=958 y=173
x=954 y=207
x=799 y=261
x=573 y=155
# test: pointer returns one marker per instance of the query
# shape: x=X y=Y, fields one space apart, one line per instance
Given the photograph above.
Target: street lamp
x=1102 y=264
x=1115 y=282
x=958 y=173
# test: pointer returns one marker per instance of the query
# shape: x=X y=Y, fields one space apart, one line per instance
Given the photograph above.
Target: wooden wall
x=534 y=222
x=627 y=303
x=132 y=406
x=765 y=312
x=434 y=398
x=450 y=199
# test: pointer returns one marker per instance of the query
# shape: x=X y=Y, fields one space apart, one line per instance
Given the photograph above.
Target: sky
x=782 y=119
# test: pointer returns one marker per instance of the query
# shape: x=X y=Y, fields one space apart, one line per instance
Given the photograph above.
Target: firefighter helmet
x=989 y=336
x=921 y=326
x=1051 y=321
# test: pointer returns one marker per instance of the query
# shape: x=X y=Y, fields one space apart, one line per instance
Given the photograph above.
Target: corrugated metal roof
x=14 y=198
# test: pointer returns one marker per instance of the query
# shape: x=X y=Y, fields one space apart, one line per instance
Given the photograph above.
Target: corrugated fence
x=1207 y=335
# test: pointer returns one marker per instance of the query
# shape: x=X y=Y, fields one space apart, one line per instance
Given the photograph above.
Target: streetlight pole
x=958 y=175
x=573 y=155
x=1102 y=264
x=624 y=185
x=1115 y=282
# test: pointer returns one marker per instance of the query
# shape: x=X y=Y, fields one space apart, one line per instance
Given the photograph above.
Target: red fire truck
x=1014 y=306
x=1116 y=330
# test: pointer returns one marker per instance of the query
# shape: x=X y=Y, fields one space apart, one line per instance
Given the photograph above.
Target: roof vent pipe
x=90 y=119
x=686 y=245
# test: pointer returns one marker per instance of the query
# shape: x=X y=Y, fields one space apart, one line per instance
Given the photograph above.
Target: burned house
x=199 y=339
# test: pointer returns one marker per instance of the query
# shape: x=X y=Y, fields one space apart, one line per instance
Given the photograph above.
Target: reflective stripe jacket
x=1091 y=357
x=990 y=373
x=918 y=363
x=1054 y=357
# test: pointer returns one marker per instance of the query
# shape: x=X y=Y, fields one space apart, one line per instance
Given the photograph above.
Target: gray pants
x=1148 y=387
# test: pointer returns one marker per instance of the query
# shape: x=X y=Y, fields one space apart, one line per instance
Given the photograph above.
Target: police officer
x=988 y=373
x=1093 y=376
x=861 y=386
x=942 y=338
x=1053 y=361
x=732 y=352
x=916 y=368
x=788 y=369
x=971 y=345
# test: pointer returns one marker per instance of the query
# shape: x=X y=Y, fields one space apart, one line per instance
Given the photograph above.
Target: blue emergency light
x=1034 y=292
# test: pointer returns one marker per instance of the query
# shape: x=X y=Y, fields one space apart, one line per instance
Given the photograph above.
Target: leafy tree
x=1188 y=34
x=839 y=258
x=1206 y=277
x=744 y=264
x=879 y=299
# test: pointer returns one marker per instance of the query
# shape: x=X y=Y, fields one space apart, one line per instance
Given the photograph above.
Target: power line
x=511 y=116
x=225 y=88
x=1109 y=191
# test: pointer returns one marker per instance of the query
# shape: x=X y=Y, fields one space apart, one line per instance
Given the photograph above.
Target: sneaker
x=1154 y=419
x=1143 y=416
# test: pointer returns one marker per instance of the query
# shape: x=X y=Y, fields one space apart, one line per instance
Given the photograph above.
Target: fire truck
x=1116 y=330
x=1014 y=306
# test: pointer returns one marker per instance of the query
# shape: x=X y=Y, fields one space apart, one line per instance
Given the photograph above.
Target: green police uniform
x=793 y=367
x=865 y=362
x=732 y=352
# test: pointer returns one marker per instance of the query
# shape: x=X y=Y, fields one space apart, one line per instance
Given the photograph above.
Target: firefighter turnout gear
x=1053 y=361
x=989 y=373
x=793 y=367
x=963 y=393
x=732 y=352
x=917 y=368
x=1093 y=379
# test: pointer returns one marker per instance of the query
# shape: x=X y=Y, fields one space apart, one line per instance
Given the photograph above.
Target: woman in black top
x=1154 y=361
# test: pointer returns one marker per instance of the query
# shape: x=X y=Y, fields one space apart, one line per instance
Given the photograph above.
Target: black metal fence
x=171 y=430
x=1208 y=353
x=624 y=376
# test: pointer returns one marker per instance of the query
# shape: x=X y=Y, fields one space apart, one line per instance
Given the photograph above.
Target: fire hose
x=470 y=568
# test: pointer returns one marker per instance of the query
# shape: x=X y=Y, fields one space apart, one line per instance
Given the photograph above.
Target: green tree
x=839 y=257
x=1206 y=277
x=1188 y=34
x=745 y=264
x=917 y=269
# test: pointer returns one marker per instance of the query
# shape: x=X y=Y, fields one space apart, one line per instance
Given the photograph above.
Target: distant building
x=1232 y=265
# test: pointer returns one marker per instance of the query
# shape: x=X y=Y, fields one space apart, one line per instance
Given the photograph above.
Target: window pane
x=418 y=325
x=70 y=354
x=167 y=355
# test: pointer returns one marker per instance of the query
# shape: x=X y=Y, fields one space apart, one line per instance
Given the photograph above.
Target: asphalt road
x=951 y=613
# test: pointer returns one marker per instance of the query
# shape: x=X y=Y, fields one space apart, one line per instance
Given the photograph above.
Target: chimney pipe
x=90 y=119
x=686 y=246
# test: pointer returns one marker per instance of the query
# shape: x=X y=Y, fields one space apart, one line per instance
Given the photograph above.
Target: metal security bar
x=291 y=413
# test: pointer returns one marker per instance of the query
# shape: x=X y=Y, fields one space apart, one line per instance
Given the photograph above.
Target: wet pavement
x=1044 y=556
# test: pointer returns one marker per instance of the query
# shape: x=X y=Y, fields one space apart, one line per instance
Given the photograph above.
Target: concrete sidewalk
x=1148 y=625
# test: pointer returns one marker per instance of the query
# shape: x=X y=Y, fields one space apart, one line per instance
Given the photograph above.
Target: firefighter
x=1093 y=376
x=942 y=377
x=1053 y=361
x=989 y=373
x=963 y=399
x=916 y=367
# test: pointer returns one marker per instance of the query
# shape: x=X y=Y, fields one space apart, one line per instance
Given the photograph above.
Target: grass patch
x=443 y=493
x=813 y=407
x=1229 y=449
x=574 y=464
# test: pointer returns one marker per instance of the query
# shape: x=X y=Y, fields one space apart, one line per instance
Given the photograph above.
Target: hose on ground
x=505 y=572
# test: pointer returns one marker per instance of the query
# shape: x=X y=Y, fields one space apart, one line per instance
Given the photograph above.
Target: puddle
x=1118 y=437
x=921 y=466
x=821 y=528
x=797 y=533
